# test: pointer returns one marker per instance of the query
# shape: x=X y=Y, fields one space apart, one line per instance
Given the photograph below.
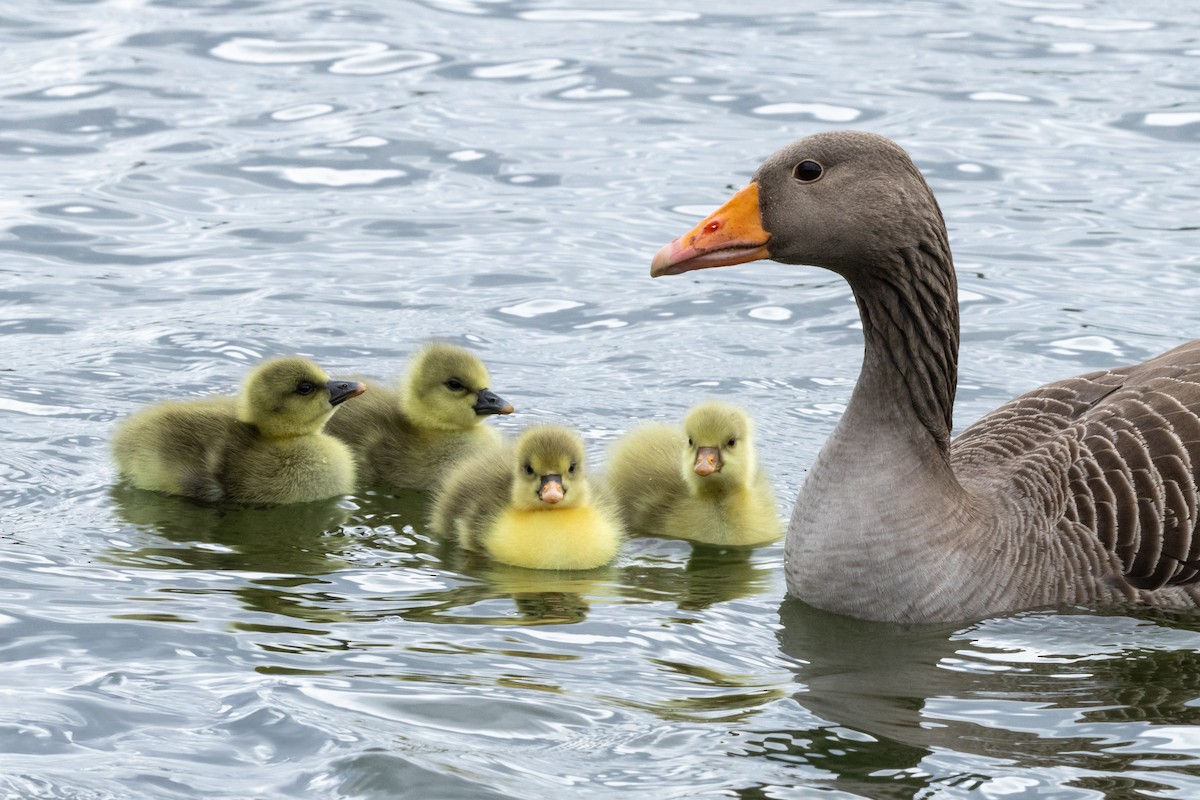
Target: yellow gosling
x=701 y=482
x=264 y=447
x=529 y=505
x=409 y=437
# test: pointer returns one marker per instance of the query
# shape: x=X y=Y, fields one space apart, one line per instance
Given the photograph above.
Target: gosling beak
x=551 y=491
x=708 y=461
x=488 y=402
x=733 y=234
x=341 y=391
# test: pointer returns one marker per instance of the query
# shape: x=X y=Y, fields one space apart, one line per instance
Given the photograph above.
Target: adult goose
x=1081 y=492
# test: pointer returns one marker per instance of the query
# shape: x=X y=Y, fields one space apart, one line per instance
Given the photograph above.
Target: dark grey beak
x=488 y=402
x=340 y=391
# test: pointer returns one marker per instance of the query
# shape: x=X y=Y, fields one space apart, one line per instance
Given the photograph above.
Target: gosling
x=411 y=436
x=701 y=483
x=529 y=505
x=264 y=447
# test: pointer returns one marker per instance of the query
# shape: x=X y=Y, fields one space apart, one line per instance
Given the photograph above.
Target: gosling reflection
x=500 y=594
x=711 y=574
x=297 y=539
x=291 y=547
x=693 y=577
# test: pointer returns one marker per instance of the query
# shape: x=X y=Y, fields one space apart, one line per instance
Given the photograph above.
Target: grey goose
x=1081 y=492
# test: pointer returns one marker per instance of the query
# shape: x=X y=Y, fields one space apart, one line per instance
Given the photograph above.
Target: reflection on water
x=698 y=576
x=1035 y=692
x=285 y=549
x=298 y=539
x=192 y=187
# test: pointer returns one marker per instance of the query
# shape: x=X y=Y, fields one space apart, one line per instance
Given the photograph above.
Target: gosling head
x=549 y=469
x=287 y=397
x=447 y=388
x=719 y=449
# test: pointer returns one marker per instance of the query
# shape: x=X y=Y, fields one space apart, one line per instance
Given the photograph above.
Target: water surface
x=193 y=186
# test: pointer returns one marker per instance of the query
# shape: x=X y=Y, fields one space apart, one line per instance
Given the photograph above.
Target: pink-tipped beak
x=708 y=461
x=551 y=492
x=733 y=234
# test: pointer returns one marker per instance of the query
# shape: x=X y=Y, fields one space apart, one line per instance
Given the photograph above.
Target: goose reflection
x=1033 y=691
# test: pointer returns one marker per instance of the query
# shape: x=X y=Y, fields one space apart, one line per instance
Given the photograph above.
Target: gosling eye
x=529 y=469
x=455 y=385
x=571 y=469
x=732 y=441
x=807 y=171
x=305 y=387
x=690 y=442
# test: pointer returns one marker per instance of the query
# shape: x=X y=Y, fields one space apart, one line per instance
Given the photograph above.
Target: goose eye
x=807 y=171
x=571 y=469
x=528 y=469
x=732 y=441
x=455 y=385
x=305 y=387
x=690 y=442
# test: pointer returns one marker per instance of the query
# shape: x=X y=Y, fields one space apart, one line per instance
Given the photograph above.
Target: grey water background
x=191 y=186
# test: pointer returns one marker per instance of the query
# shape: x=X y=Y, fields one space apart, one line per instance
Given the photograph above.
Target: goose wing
x=1114 y=453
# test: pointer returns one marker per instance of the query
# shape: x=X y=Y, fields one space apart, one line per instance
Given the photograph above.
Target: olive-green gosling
x=409 y=437
x=264 y=447
x=700 y=482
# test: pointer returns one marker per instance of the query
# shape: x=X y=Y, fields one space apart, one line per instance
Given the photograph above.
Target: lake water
x=191 y=186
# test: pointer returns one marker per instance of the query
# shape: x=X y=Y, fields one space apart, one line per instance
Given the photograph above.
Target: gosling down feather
x=700 y=482
x=529 y=505
x=410 y=436
x=1083 y=491
x=264 y=447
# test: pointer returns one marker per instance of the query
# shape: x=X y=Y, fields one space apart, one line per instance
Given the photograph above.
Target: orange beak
x=733 y=234
x=708 y=461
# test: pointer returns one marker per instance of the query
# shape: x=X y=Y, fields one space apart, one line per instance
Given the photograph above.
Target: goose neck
x=909 y=312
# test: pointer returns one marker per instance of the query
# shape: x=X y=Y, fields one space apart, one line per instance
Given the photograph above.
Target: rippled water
x=193 y=185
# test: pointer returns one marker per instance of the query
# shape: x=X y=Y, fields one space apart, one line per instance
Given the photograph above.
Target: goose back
x=1108 y=457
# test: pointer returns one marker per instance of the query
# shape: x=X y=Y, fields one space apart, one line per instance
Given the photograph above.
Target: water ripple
x=193 y=186
x=344 y=57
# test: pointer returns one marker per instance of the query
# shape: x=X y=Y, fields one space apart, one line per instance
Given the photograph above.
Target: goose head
x=843 y=200
x=291 y=396
x=719 y=450
x=446 y=388
x=549 y=469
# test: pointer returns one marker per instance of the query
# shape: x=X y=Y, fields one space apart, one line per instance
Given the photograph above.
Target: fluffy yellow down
x=562 y=538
